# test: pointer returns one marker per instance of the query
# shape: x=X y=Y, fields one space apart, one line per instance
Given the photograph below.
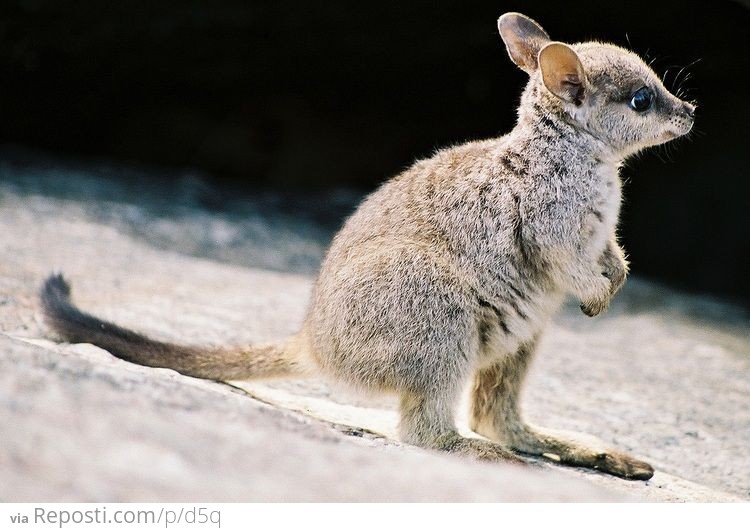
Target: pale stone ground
x=663 y=375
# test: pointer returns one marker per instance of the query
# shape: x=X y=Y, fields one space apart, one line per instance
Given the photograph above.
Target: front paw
x=594 y=307
x=614 y=268
x=616 y=276
x=598 y=298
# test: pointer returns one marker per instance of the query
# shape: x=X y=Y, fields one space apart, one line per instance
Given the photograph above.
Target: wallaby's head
x=605 y=90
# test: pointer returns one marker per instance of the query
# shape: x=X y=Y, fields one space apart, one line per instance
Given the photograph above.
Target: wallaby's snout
x=689 y=109
x=682 y=118
x=687 y=115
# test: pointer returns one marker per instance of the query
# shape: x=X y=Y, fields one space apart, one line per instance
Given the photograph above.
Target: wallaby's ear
x=523 y=39
x=562 y=72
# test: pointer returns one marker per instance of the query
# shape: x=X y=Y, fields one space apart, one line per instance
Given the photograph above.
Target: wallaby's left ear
x=562 y=72
x=523 y=39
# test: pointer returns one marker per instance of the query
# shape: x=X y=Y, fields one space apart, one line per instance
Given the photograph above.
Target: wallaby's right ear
x=523 y=39
x=562 y=72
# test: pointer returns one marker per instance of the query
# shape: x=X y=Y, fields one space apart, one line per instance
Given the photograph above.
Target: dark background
x=298 y=95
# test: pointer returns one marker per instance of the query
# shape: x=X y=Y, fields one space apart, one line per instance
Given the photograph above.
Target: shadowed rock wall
x=292 y=94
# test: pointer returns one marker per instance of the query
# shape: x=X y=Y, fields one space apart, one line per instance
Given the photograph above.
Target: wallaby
x=451 y=270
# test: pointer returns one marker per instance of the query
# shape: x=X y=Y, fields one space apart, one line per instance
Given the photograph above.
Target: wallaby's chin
x=633 y=149
x=669 y=134
x=673 y=133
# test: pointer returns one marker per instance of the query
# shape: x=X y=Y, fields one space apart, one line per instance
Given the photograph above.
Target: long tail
x=75 y=325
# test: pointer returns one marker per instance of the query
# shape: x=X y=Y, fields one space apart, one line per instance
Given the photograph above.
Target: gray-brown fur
x=269 y=360
x=451 y=270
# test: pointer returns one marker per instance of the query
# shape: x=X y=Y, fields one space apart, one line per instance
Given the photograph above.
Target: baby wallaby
x=450 y=271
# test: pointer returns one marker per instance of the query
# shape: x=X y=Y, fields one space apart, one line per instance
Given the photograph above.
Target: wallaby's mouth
x=681 y=128
x=686 y=129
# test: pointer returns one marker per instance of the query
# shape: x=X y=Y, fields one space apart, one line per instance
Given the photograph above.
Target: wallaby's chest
x=604 y=204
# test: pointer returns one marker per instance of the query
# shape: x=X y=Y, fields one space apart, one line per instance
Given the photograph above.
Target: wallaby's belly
x=513 y=322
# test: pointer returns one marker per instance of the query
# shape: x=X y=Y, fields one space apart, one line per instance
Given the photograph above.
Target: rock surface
x=663 y=375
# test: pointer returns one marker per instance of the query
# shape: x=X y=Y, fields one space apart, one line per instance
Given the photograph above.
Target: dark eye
x=642 y=99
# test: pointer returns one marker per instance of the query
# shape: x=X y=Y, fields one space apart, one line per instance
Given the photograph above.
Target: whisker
x=688 y=74
x=676 y=77
x=666 y=73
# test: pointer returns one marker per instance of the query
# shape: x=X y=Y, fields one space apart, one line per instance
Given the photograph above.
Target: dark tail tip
x=55 y=292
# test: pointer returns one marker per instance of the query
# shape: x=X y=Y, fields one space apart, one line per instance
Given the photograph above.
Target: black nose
x=689 y=109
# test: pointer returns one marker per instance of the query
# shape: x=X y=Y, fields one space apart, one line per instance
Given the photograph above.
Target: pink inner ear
x=562 y=72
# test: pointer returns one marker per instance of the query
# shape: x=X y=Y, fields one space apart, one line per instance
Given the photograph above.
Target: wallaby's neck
x=547 y=132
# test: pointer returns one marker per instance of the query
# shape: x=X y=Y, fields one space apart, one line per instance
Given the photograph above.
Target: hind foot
x=478 y=449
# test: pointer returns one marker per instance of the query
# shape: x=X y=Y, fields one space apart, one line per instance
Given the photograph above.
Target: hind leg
x=495 y=414
x=427 y=421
